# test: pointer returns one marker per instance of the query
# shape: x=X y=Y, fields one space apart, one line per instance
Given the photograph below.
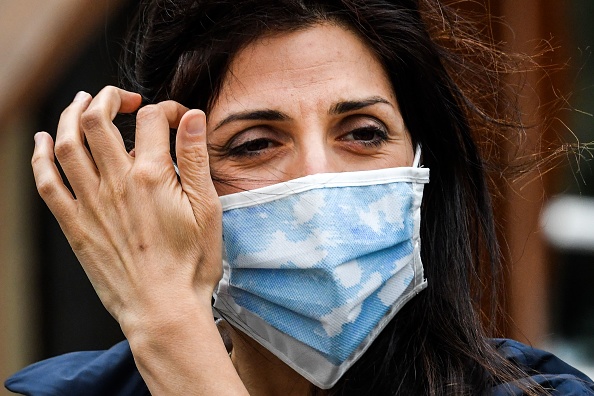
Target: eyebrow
x=255 y=115
x=352 y=105
x=274 y=115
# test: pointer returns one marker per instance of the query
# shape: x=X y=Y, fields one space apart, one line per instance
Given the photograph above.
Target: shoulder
x=544 y=368
x=110 y=372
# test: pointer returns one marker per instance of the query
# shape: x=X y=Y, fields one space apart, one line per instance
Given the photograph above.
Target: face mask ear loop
x=417 y=159
x=176 y=170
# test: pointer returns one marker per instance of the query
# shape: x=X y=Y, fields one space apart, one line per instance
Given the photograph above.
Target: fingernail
x=36 y=138
x=196 y=125
x=80 y=96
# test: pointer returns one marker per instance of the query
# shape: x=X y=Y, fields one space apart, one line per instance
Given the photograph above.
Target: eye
x=252 y=147
x=369 y=135
x=255 y=141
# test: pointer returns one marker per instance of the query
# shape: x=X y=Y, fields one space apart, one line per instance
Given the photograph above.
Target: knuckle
x=173 y=108
x=92 y=118
x=109 y=90
x=193 y=157
x=118 y=191
x=77 y=243
x=149 y=112
x=65 y=147
x=169 y=103
x=211 y=209
x=45 y=187
x=36 y=160
x=77 y=237
x=145 y=174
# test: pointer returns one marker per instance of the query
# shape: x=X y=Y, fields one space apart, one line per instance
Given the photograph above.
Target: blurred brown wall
x=37 y=40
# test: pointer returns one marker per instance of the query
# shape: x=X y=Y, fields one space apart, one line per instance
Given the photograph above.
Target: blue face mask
x=314 y=268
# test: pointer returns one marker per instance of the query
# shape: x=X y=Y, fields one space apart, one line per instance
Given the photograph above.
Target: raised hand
x=143 y=238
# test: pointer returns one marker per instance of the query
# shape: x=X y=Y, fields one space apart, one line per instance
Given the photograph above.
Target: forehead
x=325 y=61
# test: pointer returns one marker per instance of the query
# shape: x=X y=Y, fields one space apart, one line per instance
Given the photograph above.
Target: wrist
x=181 y=350
x=164 y=319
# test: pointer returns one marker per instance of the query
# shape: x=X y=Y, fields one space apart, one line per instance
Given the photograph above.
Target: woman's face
x=305 y=102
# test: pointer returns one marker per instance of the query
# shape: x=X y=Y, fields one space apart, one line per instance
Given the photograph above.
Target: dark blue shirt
x=114 y=373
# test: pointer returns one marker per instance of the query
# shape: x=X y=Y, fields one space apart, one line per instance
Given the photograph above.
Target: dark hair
x=447 y=84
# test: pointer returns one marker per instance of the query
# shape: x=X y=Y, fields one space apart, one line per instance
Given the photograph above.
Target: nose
x=314 y=156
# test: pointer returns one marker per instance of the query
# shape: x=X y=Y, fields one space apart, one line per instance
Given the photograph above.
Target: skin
x=311 y=101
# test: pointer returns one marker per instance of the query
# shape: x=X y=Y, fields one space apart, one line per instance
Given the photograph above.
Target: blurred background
x=50 y=49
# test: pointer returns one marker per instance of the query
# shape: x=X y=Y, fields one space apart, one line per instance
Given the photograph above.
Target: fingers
x=152 y=130
x=108 y=159
x=70 y=150
x=105 y=141
x=192 y=160
x=48 y=180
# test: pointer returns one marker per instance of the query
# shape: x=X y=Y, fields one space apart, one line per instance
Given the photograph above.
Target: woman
x=289 y=89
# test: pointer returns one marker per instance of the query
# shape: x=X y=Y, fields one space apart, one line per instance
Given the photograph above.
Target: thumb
x=192 y=161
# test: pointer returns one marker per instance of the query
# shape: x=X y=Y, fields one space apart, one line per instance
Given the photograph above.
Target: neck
x=262 y=373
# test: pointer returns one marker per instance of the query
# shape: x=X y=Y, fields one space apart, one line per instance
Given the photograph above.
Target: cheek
x=397 y=153
x=223 y=189
x=229 y=179
x=403 y=154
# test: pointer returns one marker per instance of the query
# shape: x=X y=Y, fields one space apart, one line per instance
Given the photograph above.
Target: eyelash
x=242 y=149
x=382 y=135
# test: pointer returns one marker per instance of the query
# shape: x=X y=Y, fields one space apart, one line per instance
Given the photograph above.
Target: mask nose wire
x=417 y=159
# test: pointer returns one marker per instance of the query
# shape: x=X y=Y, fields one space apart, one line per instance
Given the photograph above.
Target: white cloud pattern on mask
x=349 y=274
x=380 y=212
x=307 y=206
x=277 y=252
x=349 y=312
